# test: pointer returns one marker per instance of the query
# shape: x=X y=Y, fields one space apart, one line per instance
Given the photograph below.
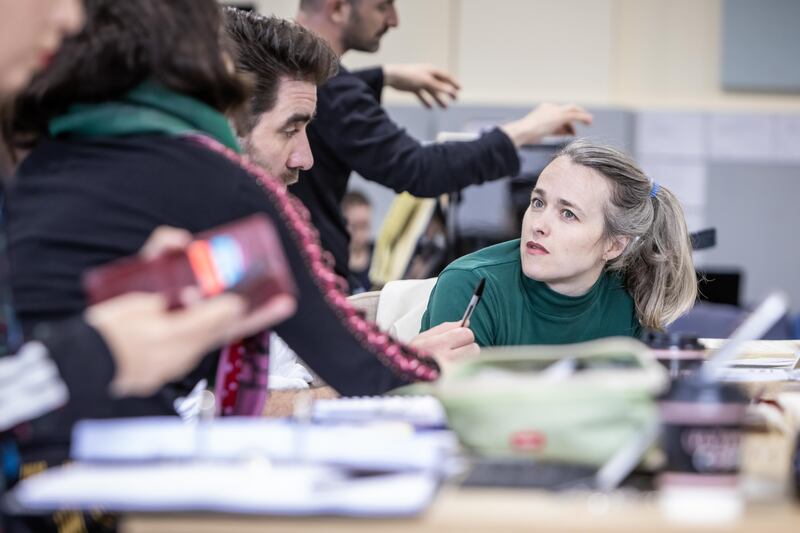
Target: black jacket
x=86 y=367
x=81 y=203
x=352 y=132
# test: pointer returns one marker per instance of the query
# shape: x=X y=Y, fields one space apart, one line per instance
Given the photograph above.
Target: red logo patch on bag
x=528 y=441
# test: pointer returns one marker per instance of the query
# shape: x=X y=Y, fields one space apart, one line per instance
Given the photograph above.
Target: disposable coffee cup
x=702 y=431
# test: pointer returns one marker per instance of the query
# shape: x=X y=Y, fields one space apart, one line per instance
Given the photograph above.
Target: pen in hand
x=473 y=302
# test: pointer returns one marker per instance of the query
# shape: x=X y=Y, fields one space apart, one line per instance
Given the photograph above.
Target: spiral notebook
x=419 y=411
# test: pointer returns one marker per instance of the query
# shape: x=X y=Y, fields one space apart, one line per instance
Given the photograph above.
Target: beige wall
x=637 y=53
x=667 y=53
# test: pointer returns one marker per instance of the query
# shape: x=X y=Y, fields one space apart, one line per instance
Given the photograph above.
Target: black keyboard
x=529 y=474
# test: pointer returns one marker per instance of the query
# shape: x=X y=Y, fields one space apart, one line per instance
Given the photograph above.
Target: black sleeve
x=86 y=367
x=373 y=78
x=84 y=362
x=347 y=352
x=353 y=125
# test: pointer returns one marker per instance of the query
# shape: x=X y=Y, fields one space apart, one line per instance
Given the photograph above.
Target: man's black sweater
x=352 y=132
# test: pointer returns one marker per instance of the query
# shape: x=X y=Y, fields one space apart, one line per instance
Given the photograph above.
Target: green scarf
x=148 y=108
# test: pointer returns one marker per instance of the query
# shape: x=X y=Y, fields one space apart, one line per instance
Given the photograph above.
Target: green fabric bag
x=577 y=403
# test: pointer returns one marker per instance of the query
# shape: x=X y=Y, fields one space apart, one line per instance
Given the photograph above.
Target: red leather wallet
x=245 y=257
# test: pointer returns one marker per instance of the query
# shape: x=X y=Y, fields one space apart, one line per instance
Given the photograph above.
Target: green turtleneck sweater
x=516 y=310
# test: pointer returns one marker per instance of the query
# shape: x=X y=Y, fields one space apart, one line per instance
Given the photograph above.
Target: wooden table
x=467 y=510
x=766 y=456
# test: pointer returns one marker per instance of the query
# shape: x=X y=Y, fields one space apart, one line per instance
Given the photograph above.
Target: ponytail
x=659 y=272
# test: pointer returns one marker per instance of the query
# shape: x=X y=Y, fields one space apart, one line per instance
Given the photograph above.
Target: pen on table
x=473 y=302
x=207 y=406
x=303 y=413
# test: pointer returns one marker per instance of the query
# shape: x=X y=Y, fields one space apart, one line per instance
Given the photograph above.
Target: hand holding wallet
x=245 y=257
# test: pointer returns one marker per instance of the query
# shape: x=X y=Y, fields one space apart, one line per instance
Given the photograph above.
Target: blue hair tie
x=654 y=189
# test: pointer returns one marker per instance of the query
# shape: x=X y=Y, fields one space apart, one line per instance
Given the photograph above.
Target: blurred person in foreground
x=130 y=345
x=149 y=146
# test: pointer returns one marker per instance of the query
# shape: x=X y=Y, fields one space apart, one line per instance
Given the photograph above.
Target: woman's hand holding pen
x=448 y=343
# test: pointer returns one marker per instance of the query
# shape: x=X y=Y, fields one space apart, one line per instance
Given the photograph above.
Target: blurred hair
x=353 y=198
x=177 y=43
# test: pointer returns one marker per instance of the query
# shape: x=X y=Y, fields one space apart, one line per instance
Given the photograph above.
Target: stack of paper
x=239 y=487
x=244 y=466
x=760 y=370
x=761 y=361
x=381 y=448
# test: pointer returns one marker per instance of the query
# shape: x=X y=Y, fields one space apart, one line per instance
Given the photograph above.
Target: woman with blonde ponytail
x=604 y=251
